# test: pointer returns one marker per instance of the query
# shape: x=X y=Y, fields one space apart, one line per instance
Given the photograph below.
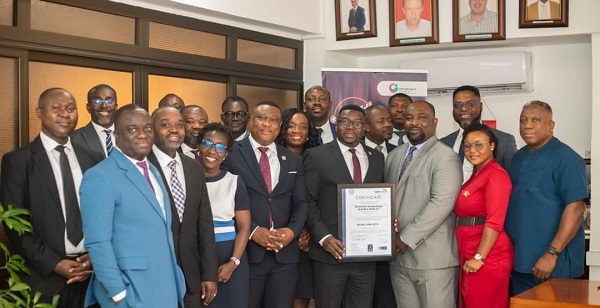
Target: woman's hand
x=304 y=240
x=225 y=271
x=472 y=266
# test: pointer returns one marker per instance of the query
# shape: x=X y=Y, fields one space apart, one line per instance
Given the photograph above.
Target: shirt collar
x=344 y=148
x=50 y=144
x=256 y=145
x=163 y=158
x=100 y=129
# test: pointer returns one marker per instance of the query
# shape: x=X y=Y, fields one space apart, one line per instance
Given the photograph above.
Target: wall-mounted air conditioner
x=491 y=73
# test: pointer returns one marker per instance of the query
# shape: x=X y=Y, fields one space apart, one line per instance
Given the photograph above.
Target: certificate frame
x=377 y=220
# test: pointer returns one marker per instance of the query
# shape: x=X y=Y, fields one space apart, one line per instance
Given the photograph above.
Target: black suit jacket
x=506 y=147
x=388 y=146
x=287 y=202
x=194 y=237
x=88 y=138
x=28 y=182
x=325 y=168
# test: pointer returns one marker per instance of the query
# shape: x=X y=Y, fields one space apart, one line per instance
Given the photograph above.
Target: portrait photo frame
x=492 y=27
x=530 y=15
x=426 y=31
x=356 y=23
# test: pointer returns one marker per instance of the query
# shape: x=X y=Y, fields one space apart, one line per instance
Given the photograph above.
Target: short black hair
x=217 y=127
x=351 y=107
x=129 y=107
x=232 y=99
x=94 y=89
x=320 y=88
x=269 y=103
x=480 y=127
x=186 y=107
x=155 y=112
x=47 y=92
x=163 y=100
x=428 y=104
x=399 y=95
x=472 y=89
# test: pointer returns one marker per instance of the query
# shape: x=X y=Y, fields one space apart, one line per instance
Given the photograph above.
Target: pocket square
x=293 y=172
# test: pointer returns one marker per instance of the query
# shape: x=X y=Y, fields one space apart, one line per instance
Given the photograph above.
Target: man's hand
x=280 y=238
x=209 y=291
x=261 y=237
x=74 y=270
x=334 y=246
x=544 y=266
x=304 y=240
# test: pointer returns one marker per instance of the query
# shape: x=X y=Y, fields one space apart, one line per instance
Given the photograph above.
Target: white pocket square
x=293 y=172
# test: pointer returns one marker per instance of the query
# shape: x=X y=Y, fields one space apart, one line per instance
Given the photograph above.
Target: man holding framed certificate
x=342 y=161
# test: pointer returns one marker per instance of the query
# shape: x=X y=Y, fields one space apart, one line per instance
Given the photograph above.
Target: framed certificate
x=365 y=216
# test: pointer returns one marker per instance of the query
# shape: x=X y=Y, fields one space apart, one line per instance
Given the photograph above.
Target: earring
x=492 y=149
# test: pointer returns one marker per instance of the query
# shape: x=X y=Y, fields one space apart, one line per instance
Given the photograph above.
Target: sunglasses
x=99 y=101
x=219 y=147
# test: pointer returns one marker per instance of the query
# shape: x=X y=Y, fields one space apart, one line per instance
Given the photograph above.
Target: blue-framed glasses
x=99 y=101
x=219 y=147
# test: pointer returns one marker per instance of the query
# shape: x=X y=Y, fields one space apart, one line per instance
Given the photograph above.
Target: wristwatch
x=235 y=260
x=553 y=251
x=479 y=258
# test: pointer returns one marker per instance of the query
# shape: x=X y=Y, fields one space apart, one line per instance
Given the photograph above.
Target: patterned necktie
x=196 y=155
x=265 y=167
x=356 y=173
x=400 y=134
x=73 y=216
x=379 y=148
x=144 y=166
x=177 y=190
x=109 y=143
x=407 y=161
x=319 y=134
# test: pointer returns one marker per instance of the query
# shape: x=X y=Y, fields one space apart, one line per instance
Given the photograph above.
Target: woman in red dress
x=485 y=250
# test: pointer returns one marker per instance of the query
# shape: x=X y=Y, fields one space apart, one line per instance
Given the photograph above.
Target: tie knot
x=413 y=148
x=142 y=164
x=107 y=131
x=319 y=130
x=353 y=151
x=172 y=164
x=60 y=148
x=379 y=148
x=263 y=150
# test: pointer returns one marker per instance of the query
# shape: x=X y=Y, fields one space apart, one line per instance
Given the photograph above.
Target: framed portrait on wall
x=413 y=22
x=354 y=19
x=478 y=20
x=543 y=13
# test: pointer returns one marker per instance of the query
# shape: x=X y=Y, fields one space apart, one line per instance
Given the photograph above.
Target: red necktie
x=265 y=167
x=144 y=166
x=356 y=173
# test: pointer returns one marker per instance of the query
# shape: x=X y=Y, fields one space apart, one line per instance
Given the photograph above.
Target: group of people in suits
x=166 y=210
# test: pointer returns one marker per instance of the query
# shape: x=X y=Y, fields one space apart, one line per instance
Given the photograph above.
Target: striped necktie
x=109 y=143
x=177 y=190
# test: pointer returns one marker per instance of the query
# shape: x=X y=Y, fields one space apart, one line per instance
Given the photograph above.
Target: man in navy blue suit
x=274 y=177
x=356 y=17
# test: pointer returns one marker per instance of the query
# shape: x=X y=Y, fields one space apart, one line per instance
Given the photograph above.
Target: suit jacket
x=287 y=202
x=425 y=197
x=194 y=236
x=28 y=182
x=325 y=168
x=388 y=146
x=533 y=12
x=358 y=19
x=505 y=149
x=128 y=237
x=87 y=137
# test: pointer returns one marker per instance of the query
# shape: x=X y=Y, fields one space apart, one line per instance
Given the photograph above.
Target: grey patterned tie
x=177 y=190
x=407 y=161
x=109 y=143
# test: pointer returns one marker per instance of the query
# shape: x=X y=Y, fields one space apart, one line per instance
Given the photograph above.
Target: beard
x=465 y=124
x=416 y=138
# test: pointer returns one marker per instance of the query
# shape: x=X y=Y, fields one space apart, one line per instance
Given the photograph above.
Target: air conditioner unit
x=491 y=73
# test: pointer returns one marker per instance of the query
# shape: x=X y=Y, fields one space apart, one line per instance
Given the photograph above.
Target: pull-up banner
x=369 y=86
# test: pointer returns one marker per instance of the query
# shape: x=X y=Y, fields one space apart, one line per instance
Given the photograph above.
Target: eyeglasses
x=461 y=105
x=477 y=145
x=99 y=101
x=264 y=119
x=345 y=123
x=219 y=147
x=232 y=115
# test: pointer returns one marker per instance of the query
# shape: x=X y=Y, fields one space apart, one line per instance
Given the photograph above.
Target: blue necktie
x=109 y=143
x=319 y=133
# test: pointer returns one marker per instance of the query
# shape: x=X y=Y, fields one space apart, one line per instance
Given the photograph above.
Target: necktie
x=356 y=173
x=177 y=190
x=73 y=216
x=461 y=151
x=407 y=161
x=400 y=134
x=109 y=143
x=144 y=166
x=319 y=133
x=379 y=148
x=196 y=156
x=265 y=167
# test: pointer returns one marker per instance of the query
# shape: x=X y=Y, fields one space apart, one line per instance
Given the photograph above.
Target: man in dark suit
x=356 y=17
x=378 y=129
x=191 y=223
x=32 y=178
x=194 y=119
x=397 y=105
x=98 y=134
x=235 y=115
x=342 y=161
x=317 y=102
x=126 y=216
x=275 y=180
x=467 y=108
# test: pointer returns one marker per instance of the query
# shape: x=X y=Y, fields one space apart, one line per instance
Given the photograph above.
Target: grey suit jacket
x=505 y=149
x=425 y=197
x=88 y=138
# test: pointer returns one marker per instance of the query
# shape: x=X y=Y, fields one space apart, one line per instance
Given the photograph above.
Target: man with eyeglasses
x=98 y=135
x=194 y=119
x=44 y=177
x=342 y=161
x=274 y=179
x=467 y=108
x=317 y=102
x=235 y=115
x=191 y=223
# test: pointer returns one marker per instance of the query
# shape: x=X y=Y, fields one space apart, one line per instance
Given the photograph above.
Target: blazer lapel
x=284 y=169
x=370 y=176
x=250 y=158
x=416 y=161
x=43 y=169
x=338 y=157
x=91 y=138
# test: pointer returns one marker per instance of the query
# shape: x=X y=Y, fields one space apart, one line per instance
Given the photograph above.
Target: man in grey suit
x=98 y=135
x=342 y=161
x=467 y=108
x=428 y=177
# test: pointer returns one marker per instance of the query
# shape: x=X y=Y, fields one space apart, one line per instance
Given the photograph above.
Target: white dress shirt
x=163 y=161
x=466 y=165
x=327 y=134
x=102 y=135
